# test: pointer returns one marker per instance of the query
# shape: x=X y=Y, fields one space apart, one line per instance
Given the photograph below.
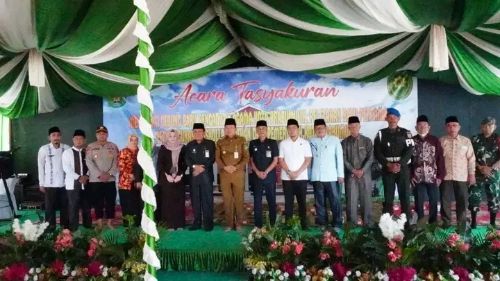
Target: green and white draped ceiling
x=368 y=40
x=52 y=49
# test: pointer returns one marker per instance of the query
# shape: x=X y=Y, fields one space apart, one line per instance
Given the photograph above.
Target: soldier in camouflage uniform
x=487 y=150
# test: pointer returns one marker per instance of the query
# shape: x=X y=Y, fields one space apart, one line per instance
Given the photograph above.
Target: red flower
x=464 y=247
x=288 y=267
x=336 y=246
x=495 y=245
x=391 y=244
x=401 y=273
x=274 y=245
x=64 y=240
x=90 y=253
x=453 y=239
x=94 y=243
x=94 y=268
x=57 y=267
x=463 y=274
x=298 y=248
x=286 y=249
x=394 y=255
x=339 y=270
x=15 y=272
x=324 y=256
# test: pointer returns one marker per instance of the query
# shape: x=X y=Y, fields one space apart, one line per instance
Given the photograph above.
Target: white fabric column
x=36 y=72
x=438 y=49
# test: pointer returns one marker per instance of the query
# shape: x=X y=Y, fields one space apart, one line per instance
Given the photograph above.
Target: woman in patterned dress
x=129 y=183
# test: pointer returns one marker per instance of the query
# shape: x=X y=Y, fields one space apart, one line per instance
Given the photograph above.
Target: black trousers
x=460 y=190
x=202 y=200
x=402 y=180
x=131 y=203
x=55 y=198
x=298 y=189
x=104 y=199
x=79 y=199
x=431 y=190
x=270 y=190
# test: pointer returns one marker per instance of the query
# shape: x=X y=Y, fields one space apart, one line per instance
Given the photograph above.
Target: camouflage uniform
x=487 y=151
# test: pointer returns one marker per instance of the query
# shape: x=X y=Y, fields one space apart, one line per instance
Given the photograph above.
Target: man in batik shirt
x=487 y=150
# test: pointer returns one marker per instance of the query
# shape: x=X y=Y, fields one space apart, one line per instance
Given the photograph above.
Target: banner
x=252 y=94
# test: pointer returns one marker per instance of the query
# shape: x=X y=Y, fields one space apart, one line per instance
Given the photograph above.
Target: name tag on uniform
x=207 y=153
x=268 y=153
x=236 y=155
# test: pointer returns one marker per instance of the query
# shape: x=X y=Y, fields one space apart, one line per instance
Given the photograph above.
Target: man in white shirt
x=51 y=178
x=294 y=158
x=76 y=180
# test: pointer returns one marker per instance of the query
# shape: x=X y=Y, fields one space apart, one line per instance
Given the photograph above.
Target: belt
x=393 y=159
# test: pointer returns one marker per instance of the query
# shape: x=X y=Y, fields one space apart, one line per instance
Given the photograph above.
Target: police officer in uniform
x=231 y=157
x=102 y=161
x=263 y=159
x=200 y=157
x=393 y=149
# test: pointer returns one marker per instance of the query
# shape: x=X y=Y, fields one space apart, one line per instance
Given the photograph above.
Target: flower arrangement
x=28 y=231
x=386 y=253
x=30 y=254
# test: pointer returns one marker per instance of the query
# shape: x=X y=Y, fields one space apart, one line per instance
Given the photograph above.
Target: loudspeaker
x=6 y=164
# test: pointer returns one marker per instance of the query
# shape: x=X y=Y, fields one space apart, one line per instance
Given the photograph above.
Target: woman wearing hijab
x=171 y=168
x=129 y=183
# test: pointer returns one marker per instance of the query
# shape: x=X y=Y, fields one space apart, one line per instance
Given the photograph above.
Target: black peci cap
x=198 y=126
x=261 y=123
x=319 y=122
x=292 y=122
x=54 y=130
x=79 y=132
x=353 y=119
x=230 y=121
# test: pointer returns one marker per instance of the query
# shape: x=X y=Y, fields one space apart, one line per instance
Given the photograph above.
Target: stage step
x=209 y=251
x=201 y=276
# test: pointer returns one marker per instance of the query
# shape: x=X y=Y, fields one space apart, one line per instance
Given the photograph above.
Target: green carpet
x=200 y=276
x=216 y=251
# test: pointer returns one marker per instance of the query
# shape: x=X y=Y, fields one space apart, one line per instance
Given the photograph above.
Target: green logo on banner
x=116 y=102
x=400 y=85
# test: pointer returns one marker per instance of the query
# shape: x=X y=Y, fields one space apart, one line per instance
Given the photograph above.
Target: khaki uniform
x=102 y=158
x=231 y=151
